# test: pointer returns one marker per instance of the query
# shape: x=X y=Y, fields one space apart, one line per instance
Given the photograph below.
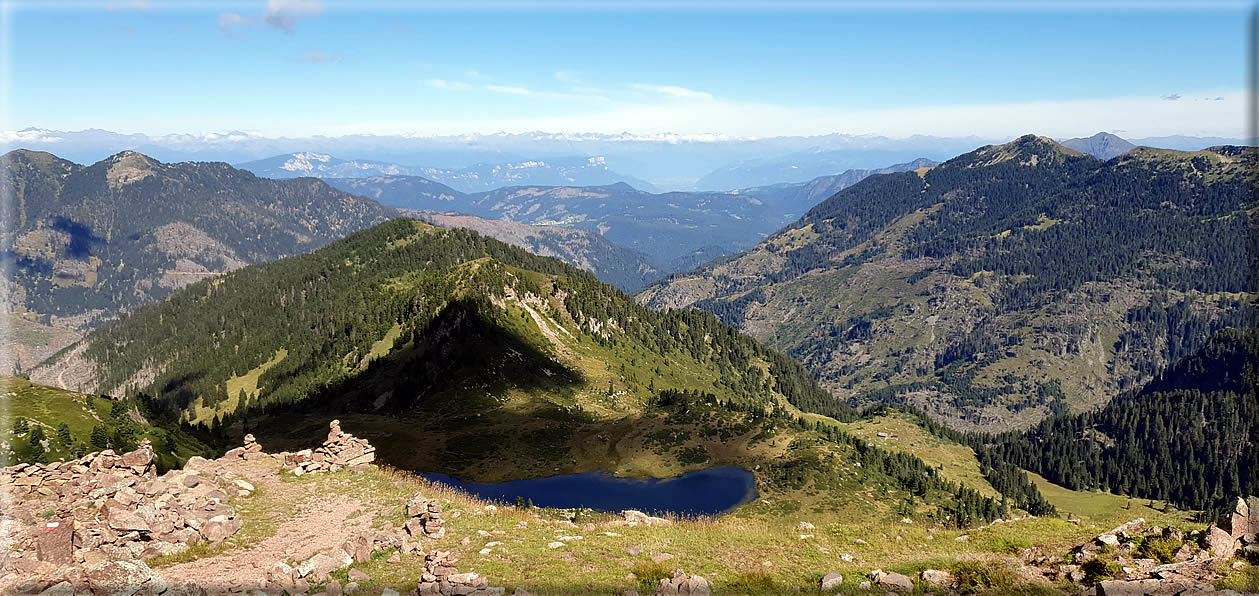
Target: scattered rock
x=831 y=581
x=358 y=576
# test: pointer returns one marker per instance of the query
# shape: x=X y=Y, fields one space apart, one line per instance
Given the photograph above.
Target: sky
x=304 y=67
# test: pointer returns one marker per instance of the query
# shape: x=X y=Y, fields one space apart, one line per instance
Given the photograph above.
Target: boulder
x=634 y=517
x=56 y=542
x=831 y=581
x=358 y=576
x=1221 y=543
x=118 y=578
x=219 y=530
x=1239 y=519
x=126 y=521
x=937 y=579
x=892 y=581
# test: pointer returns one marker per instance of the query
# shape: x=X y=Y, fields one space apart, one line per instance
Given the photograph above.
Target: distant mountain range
x=667 y=161
x=1003 y=285
x=561 y=171
x=677 y=230
x=625 y=268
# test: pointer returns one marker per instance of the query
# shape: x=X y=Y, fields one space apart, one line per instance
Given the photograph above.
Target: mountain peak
x=1028 y=150
x=1102 y=145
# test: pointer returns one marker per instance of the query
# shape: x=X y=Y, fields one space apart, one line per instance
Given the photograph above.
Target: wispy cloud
x=475 y=75
x=284 y=14
x=229 y=22
x=566 y=76
x=511 y=90
x=445 y=84
x=657 y=113
x=318 y=56
x=281 y=14
x=671 y=91
x=1171 y=97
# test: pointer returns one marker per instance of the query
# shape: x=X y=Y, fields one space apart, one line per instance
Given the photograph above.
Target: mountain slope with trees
x=1003 y=285
x=477 y=358
x=90 y=242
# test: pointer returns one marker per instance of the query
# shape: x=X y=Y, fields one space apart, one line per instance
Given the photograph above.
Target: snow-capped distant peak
x=303 y=162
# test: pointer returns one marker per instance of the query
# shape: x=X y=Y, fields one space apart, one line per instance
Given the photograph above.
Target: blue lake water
x=705 y=492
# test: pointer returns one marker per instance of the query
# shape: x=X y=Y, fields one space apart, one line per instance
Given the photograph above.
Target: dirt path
x=321 y=522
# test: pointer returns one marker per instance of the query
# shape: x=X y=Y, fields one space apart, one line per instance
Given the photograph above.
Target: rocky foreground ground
x=250 y=523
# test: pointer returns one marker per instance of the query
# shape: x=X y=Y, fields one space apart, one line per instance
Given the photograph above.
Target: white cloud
x=566 y=76
x=475 y=75
x=511 y=90
x=1140 y=116
x=444 y=84
x=230 y=21
x=671 y=91
x=284 y=14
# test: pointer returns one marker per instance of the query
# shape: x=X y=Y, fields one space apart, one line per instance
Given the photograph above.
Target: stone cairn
x=426 y=518
x=250 y=451
x=340 y=450
x=100 y=513
x=441 y=577
x=681 y=583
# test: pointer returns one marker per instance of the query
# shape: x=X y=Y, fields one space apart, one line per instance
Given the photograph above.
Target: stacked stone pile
x=340 y=450
x=251 y=450
x=425 y=518
x=681 y=583
x=442 y=577
x=108 y=506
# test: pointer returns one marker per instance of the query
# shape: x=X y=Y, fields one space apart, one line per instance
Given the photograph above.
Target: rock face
x=442 y=577
x=340 y=450
x=681 y=583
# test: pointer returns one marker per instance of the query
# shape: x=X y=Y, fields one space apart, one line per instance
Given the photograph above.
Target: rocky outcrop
x=442 y=577
x=341 y=450
x=110 y=506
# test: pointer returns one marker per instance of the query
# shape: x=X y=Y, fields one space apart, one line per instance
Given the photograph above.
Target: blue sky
x=302 y=67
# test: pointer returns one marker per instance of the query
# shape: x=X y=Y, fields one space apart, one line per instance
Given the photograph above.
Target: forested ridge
x=126 y=230
x=996 y=281
x=1188 y=437
x=327 y=309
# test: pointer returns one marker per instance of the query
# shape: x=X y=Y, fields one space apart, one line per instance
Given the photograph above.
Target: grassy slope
x=49 y=407
x=740 y=553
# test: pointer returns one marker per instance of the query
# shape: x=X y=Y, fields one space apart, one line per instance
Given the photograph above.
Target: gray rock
x=831 y=581
x=892 y=581
x=1221 y=543
x=937 y=578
